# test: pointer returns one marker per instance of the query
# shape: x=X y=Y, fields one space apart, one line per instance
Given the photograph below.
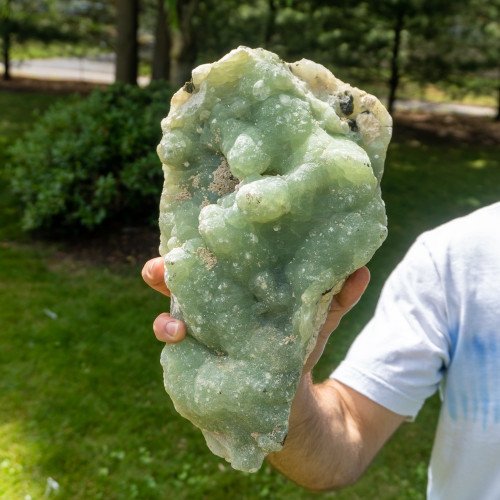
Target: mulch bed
x=446 y=129
x=113 y=246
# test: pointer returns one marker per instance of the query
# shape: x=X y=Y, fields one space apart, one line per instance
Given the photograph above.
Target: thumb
x=345 y=300
x=351 y=292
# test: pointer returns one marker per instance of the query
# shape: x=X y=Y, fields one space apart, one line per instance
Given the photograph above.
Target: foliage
x=440 y=41
x=92 y=21
x=91 y=160
x=473 y=61
x=48 y=20
x=453 y=44
x=14 y=121
x=29 y=20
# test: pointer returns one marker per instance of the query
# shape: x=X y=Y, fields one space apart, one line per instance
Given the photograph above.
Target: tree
x=177 y=26
x=6 y=32
x=24 y=20
x=399 y=21
x=272 y=7
x=161 y=48
x=218 y=27
x=183 y=49
x=92 y=21
x=222 y=26
x=474 y=61
x=422 y=41
x=127 y=47
x=419 y=30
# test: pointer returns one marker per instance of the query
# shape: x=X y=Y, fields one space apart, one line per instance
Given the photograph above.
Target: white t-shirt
x=437 y=325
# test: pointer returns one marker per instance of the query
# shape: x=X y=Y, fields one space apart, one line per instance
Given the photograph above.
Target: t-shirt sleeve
x=399 y=358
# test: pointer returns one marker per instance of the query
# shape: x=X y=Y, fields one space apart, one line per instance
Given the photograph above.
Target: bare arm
x=334 y=431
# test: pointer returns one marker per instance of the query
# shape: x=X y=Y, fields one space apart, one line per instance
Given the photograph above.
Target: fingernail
x=151 y=267
x=172 y=327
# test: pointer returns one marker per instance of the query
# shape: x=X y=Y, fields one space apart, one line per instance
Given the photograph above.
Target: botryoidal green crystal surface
x=271 y=199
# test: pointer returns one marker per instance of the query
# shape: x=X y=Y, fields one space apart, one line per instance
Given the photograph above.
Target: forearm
x=323 y=449
x=334 y=433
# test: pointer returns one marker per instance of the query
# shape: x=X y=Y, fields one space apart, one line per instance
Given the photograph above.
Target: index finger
x=153 y=273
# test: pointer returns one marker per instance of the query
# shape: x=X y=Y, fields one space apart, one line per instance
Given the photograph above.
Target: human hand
x=166 y=328
x=170 y=330
x=341 y=304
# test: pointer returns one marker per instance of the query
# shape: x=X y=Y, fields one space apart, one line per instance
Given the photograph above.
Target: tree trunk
x=6 y=39
x=6 y=55
x=183 y=44
x=394 y=80
x=161 y=49
x=126 y=43
x=271 y=23
x=497 y=118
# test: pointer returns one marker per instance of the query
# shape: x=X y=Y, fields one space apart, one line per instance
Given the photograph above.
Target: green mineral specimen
x=271 y=199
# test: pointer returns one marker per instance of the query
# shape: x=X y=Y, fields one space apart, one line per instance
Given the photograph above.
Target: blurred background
x=84 y=85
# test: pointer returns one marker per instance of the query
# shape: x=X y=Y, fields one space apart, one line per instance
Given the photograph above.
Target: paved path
x=101 y=70
x=445 y=108
x=96 y=70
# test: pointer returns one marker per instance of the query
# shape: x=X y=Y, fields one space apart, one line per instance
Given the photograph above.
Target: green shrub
x=92 y=160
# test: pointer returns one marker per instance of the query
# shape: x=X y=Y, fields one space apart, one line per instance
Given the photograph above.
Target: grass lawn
x=81 y=395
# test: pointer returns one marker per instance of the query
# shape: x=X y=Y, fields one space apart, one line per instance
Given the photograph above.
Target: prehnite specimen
x=271 y=199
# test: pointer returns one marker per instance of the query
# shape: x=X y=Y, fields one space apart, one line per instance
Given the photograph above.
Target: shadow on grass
x=81 y=395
